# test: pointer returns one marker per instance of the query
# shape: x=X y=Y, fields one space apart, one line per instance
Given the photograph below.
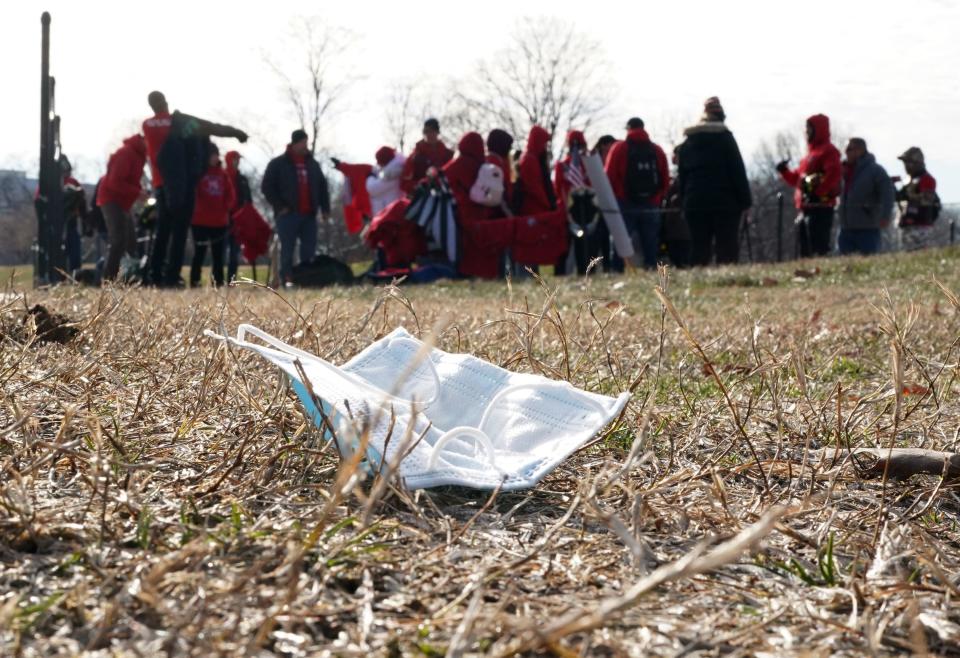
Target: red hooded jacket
x=535 y=197
x=482 y=239
x=359 y=206
x=561 y=182
x=215 y=199
x=822 y=158
x=121 y=183
x=155 y=131
x=423 y=157
x=616 y=166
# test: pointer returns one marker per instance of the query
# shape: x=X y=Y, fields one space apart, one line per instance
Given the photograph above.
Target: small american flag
x=574 y=172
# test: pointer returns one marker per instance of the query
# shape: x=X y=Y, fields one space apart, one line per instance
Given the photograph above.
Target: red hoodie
x=822 y=158
x=423 y=157
x=215 y=199
x=561 y=179
x=121 y=183
x=359 y=206
x=535 y=197
x=482 y=239
x=616 y=166
x=155 y=131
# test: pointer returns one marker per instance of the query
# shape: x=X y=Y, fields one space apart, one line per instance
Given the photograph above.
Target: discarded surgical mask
x=438 y=418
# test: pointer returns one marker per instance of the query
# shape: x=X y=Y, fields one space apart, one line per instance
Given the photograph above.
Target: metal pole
x=40 y=260
x=779 y=227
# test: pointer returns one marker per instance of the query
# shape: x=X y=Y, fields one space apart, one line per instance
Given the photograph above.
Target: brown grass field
x=162 y=495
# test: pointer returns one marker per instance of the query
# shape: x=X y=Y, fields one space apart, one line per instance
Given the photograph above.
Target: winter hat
x=384 y=155
x=912 y=154
x=712 y=109
x=298 y=135
x=634 y=123
x=499 y=142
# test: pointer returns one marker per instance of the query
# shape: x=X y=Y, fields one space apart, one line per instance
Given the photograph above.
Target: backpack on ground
x=643 y=174
x=487 y=190
x=321 y=272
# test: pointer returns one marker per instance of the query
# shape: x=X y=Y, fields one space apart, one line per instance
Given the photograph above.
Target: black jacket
x=280 y=187
x=867 y=199
x=185 y=153
x=711 y=172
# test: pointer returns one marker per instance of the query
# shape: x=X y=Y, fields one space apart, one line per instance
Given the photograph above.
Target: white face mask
x=443 y=419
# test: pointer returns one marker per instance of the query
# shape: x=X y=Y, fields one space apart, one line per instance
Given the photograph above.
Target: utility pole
x=49 y=262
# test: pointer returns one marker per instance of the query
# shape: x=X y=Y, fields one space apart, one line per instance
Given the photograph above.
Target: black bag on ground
x=643 y=177
x=321 y=272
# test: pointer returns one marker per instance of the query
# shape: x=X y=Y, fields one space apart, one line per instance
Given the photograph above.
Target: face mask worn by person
x=436 y=418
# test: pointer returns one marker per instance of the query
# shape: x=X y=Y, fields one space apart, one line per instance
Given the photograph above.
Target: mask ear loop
x=464 y=431
x=482 y=437
x=290 y=350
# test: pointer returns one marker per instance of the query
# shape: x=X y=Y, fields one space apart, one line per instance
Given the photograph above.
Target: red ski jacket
x=535 y=197
x=121 y=184
x=215 y=199
x=359 y=206
x=155 y=131
x=616 y=166
x=822 y=159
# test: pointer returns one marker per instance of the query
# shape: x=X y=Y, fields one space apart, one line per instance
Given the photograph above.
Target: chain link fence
x=771 y=235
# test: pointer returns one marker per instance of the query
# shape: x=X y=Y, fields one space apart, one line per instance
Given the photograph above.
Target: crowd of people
x=487 y=210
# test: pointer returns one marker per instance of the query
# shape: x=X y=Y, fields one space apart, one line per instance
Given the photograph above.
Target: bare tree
x=409 y=102
x=311 y=71
x=550 y=74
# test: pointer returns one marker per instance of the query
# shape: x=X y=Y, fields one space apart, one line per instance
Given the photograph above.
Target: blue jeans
x=643 y=225
x=290 y=228
x=865 y=241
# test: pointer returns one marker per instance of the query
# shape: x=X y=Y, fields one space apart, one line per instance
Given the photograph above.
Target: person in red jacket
x=499 y=143
x=534 y=192
x=211 y=218
x=817 y=185
x=429 y=152
x=640 y=176
x=481 y=239
x=117 y=191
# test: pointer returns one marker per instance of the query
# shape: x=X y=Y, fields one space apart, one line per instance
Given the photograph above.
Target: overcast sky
x=883 y=70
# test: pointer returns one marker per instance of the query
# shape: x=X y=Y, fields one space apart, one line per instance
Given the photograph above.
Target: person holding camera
x=817 y=185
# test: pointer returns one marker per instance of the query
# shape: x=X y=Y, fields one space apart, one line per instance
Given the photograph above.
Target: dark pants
x=714 y=232
x=290 y=228
x=170 y=241
x=643 y=225
x=233 y=256
x=865 y=241
x=680 y=253
x=123 y=238
x=203 y=237
x=72 y=244
x=813 y=232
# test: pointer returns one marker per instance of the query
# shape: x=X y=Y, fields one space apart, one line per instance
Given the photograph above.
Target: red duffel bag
x=540 y=239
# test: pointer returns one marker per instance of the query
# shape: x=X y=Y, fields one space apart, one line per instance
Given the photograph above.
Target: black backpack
x=643 y=175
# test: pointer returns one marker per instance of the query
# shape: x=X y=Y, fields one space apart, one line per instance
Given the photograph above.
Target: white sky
x=880 y=69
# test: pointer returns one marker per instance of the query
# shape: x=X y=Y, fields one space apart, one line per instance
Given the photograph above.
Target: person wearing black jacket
x=242 y=196
x=296 y=188
x=714 y=187
x=182 y=158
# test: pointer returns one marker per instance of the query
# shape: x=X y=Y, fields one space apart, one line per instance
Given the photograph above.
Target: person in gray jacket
x=866 y=204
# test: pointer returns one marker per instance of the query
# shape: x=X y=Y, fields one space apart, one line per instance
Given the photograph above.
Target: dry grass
x=162 y=495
